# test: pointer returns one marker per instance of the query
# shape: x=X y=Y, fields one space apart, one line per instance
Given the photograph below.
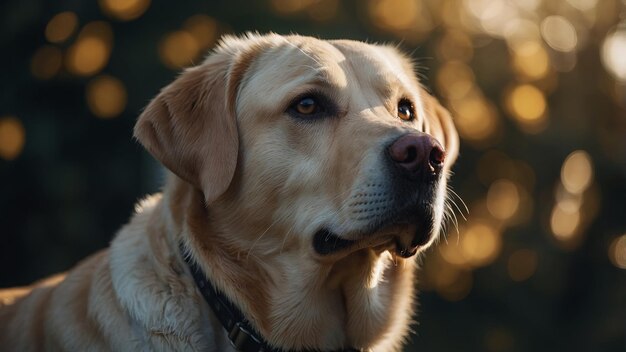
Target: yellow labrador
x=305 y=176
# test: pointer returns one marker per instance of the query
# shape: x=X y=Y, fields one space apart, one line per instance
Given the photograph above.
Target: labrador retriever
x=304 y=177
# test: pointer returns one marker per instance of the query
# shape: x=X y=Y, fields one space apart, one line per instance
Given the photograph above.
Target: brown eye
x=405 y=110
x=306 y=106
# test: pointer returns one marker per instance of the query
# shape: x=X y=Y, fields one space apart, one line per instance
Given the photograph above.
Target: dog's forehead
x=305 y=59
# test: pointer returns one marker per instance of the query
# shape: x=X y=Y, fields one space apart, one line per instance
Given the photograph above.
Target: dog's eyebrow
x=323 y=76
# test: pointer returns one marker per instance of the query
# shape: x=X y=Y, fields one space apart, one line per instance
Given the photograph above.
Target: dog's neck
x=295 y=301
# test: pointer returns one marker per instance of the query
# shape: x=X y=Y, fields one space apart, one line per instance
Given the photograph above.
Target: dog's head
x=324 y=147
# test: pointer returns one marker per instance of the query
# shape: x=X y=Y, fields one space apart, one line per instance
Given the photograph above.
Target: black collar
x=242 y=335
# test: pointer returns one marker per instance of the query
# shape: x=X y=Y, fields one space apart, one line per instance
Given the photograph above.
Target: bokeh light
x=564 y=221
x=203 y=28
x=480 y=244
x=583 y=5
x=455 y=45
x=617 y=252
x=91 y=51
x=61 y=27
x=318 y=10
x=46 y=62
x=526 y=103
x=576 y=200
x=324 y=10
x=106 y=96
x=124 y=10
x=531 y=61
x=559 y=33
x=503 y=199
x=394 y=14
x=476 y=118
x=452 y=282
x=287 y=7
x=520 y=31
x=577 y=172
x=455 y=79
x=613 y=49
x=178 y=49
x=409 y=18
x=12 y=137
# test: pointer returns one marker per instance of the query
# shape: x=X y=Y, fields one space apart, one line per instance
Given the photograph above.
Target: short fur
x=249 y=187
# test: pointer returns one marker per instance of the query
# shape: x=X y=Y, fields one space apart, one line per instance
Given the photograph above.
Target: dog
x=304 y=178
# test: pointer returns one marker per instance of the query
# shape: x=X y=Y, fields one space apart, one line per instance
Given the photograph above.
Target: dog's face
x=299 y=144
x=316 y=161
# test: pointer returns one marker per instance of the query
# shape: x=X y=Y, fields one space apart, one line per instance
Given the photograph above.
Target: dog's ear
x=191 y=128
x=439 y=124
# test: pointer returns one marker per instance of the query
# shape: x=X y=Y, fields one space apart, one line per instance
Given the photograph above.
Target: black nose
x=416 y=153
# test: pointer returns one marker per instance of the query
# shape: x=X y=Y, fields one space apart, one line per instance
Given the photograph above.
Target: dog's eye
x=405 y=110
x=306 y=106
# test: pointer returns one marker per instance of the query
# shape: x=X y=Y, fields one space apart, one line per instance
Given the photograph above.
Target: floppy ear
x=190 y=127
x=439 y=124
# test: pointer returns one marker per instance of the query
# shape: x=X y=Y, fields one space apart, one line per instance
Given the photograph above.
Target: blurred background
x=537 y=89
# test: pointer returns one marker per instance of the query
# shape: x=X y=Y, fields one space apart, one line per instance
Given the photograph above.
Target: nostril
x=411 y=155
x=437 y=157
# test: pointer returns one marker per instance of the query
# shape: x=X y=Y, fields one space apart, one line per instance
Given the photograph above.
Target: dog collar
x=241 y=334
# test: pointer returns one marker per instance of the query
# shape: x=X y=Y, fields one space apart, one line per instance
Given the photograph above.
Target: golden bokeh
x=12 y=137
x=124 y=10
x=617 y=252
x=559 y=33
x=492 y=17
x=98 y=29
x=480 y=244
x=409 y=19
x=455 y=79
x=203 y=28
x=503 y=199
x=455 y=45
x=583 y=5
x=564 y=222
x=288 y=7
x=178 y=49
x=87 y=56
x=531 y=61
x=577 y=172
x=451 y=252
x=476 y=118
x=452 y=283
x=61 y=27
x=324 y=10
x=527 y=104
x=522 y=264
x=394 y=14
x=46 y=62
x=613 y=49
x=569 y=202
x=106 y=96
x=91 y=51
x=520 y=31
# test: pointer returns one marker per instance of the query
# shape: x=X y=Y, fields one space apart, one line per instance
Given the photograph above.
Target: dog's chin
x=404 y=238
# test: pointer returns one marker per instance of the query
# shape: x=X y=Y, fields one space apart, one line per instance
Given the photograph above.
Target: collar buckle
x=243 y=339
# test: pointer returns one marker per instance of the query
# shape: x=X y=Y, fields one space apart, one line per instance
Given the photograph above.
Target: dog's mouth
x=404 y=236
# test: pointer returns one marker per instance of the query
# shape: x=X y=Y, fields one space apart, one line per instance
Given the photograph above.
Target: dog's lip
x=404 y=239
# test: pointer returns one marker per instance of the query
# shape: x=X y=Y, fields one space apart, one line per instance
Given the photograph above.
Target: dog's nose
x=416 y=153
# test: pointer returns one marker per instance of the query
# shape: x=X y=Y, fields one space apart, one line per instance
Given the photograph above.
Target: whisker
x=462 y=202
